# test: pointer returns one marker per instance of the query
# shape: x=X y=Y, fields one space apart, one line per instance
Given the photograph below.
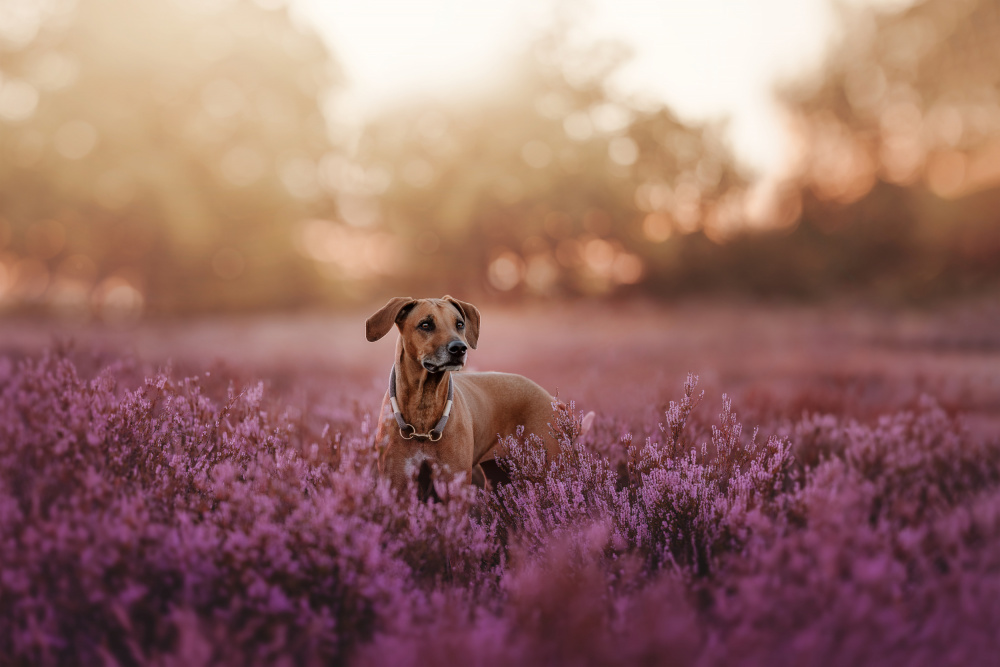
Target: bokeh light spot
x=627 y=269
x=654 y=196
x=54 y=70
x=578 y=126
x=117 y=301
x=541 y=273
x=536 y=154
x=419 y=173
x=505 y=271
x=599 y=255
x=609 y=117
x=75 y=139
x=29 y=278
x=18 y=100
x=687 y=207
x=298 y=175
x=553 y=104
x=657 y=227
x=359 y=211
x=623 y=151
x=568 y=253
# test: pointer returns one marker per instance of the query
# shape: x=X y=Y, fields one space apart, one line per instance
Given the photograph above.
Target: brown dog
x=434 y=415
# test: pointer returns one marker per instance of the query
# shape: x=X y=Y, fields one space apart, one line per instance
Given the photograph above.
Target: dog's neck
x=421 y=394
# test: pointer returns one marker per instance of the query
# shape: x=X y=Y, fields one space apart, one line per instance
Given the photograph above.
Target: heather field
x=760 y=243
x=763 y=484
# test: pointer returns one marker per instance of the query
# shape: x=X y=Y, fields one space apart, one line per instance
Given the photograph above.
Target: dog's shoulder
x=492 y=377
x=497 y=383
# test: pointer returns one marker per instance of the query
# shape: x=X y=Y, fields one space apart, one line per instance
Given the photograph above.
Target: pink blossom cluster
x=153 y=524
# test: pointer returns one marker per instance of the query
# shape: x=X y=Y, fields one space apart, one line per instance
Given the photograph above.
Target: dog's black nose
x=457 y=347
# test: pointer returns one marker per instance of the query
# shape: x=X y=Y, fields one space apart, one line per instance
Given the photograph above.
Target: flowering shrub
x=679 y=502
x=130 y=519
x=143 y=521
x=888 y=555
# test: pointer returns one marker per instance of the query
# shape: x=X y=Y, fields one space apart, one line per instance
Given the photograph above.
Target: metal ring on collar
x=408 y=431
x=433 y=436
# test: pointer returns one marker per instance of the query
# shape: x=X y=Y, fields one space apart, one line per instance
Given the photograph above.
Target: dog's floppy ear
x=471 y=314
x=379 y=324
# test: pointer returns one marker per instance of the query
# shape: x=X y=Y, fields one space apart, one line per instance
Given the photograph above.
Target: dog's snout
x=457 y=347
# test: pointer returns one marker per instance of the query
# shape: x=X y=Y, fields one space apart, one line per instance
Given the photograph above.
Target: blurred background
x=173 y=157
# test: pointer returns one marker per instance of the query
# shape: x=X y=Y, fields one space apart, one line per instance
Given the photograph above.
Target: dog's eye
x=459 y=325
x=426 y=326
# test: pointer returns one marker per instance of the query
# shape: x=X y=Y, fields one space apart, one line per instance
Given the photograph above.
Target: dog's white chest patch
x=412 y=464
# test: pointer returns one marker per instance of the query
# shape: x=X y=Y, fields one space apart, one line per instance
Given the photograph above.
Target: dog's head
x=437 y=333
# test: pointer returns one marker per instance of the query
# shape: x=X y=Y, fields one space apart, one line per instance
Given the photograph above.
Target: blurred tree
x=158 y=150
x=906 y=96
x=546 y=184
x=900 y=169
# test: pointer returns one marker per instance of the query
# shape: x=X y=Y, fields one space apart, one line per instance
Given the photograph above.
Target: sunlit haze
x=708 y=60
x=169 y=156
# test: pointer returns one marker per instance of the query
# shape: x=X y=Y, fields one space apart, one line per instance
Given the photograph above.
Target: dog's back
x=504 y=402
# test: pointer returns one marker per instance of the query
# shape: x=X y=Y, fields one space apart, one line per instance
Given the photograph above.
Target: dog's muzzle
x=455 y=365
x=450 y=357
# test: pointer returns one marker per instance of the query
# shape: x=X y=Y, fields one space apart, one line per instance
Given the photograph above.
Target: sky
x=706 y=59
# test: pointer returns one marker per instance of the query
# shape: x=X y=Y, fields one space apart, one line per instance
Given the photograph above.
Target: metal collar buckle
x=433 y=436
x=407 y=431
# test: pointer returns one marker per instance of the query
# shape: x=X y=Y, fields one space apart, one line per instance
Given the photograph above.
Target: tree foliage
x=545 y=183
x=898 y=185
x=160 y=147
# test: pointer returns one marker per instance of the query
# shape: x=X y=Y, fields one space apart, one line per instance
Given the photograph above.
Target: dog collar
x=407 y=431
